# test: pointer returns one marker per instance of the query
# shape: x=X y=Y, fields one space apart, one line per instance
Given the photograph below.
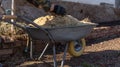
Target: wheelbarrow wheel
x=76 y=48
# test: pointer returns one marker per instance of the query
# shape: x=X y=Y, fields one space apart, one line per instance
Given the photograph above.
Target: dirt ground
x=100 y=52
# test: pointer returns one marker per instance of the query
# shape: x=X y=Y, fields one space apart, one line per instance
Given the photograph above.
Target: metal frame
x=54 y=53
x=46 y=32
x=53 y=43
x=31 y=41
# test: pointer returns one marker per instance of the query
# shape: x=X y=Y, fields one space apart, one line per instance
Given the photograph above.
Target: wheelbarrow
x=72 y=36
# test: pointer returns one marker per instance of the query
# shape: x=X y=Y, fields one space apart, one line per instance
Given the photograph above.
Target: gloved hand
x=59 y=10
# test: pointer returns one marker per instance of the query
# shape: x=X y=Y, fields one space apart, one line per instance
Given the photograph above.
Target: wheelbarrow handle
x=4 y=17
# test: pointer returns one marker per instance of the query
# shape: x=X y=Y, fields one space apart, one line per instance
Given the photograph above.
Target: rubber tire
x=72 y=50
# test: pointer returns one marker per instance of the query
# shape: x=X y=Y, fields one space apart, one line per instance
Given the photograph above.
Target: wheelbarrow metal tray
x=61 y=34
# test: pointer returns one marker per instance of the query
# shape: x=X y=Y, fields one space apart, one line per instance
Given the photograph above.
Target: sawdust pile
x=5 y=29
x=51 y=21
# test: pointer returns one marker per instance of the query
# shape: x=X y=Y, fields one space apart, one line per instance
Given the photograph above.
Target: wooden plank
x=6 y=51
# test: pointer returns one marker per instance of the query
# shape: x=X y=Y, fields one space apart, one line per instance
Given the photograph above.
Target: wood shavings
x=51 y=21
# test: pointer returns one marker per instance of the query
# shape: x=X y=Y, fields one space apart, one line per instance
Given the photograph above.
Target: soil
x=100 y=52
x=103 y=51
x=78 y=10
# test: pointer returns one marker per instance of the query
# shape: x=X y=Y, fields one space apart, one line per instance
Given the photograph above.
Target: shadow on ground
x=108 y=58
x=101 y=39
x=105 y=58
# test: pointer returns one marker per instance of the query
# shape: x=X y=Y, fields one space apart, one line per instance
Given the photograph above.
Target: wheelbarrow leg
x=64 y=56
x=54 y=56
x=31 y=49
x=43 y=51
